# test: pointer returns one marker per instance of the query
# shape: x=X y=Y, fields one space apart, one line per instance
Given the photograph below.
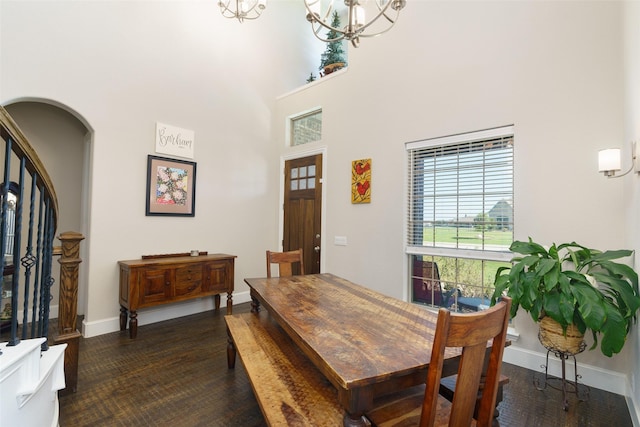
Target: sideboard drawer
x=188 y=280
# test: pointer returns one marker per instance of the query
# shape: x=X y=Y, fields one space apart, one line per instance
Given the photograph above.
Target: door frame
x=297 y=155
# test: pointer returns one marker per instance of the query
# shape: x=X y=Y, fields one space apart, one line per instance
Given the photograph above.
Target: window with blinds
x=460 y=216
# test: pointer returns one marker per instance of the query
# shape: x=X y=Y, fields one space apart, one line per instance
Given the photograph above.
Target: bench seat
x=288 y=387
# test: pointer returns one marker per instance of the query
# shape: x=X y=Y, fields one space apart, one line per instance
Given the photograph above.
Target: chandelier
x=385 y=14
x=244 y=9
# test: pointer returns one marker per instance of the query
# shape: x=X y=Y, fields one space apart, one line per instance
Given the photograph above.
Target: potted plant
x=332 y=59
x=575 y=286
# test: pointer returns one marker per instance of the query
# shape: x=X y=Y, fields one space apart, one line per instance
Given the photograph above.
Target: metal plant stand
x=567 y=386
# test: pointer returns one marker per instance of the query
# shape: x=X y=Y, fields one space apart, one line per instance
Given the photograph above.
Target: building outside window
x=460 y=217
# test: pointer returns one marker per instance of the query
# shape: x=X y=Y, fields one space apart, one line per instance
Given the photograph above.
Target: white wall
x=553 y=69
x=123 y=66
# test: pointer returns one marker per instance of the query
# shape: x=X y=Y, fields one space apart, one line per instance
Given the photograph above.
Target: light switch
x=340 y=240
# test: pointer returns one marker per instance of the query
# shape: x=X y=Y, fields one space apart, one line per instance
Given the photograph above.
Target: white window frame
x=483 y=254
x=290 y=127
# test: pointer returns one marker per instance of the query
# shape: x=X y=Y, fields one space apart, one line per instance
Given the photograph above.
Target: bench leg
x=231 y=351
x=229 y=303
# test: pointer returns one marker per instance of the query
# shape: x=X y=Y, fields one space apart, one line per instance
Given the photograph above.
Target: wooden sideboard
x=153 y=281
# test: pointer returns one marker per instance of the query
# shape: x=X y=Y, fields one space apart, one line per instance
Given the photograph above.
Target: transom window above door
x=306 y=127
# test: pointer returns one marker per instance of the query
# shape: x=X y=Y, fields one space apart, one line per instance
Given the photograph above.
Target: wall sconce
x=609 y=161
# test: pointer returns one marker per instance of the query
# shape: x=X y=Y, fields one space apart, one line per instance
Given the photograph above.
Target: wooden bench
x=288 y=387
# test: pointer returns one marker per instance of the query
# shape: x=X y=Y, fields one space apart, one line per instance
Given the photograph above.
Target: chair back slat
x=289 y=263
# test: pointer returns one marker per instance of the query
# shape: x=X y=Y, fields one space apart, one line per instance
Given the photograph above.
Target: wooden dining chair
x=422 y=406
x=289 y=263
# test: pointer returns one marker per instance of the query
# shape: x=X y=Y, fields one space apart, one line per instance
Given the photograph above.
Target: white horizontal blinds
x=461 y=191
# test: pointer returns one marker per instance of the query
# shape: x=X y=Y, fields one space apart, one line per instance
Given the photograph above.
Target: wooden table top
x=357 y=337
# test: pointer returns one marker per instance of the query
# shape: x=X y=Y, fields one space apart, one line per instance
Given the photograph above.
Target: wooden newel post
x=68 y=306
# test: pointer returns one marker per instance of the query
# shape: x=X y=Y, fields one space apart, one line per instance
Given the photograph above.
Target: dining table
x=365 y=343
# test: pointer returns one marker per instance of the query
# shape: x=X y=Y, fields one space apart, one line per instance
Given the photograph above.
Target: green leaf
x=590 y=305
x=527 y=247
x=551 y=307
x=614 y=333
x=567 y=308
x=622 y=292
x=609 y=255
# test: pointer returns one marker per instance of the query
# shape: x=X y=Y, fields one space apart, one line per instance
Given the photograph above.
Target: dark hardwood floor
x=175 y=374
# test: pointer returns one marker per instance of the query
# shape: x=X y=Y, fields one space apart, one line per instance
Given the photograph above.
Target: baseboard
x=634 y=409
x=53 y=313
x=592 y=376
x=160 y=313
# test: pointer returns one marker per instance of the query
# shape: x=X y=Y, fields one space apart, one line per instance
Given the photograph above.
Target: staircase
x=29 y=383
x=31 y=371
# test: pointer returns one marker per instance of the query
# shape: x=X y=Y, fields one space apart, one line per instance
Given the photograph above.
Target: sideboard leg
x=216 y=298
x=123 y=318
x=133 y=324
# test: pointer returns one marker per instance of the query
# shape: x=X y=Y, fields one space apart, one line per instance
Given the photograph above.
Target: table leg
x=356 y=421
x=356 y=402
x=255 y=305
x=133 y=324
x=231 y=351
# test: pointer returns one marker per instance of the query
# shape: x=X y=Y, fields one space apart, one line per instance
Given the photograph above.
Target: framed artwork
x=171 y=187
x=361 y=181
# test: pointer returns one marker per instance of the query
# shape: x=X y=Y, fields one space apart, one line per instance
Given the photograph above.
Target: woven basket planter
x=553 y=338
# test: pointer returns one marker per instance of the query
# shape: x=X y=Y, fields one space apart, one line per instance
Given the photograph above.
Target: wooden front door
x=302 y=209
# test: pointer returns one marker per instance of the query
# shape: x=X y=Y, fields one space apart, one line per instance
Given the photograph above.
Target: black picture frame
x=171 y=187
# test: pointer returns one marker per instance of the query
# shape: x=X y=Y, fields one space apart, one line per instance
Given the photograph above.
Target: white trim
x=460 y=253
x=287 y=126
x=592 y=376
x=53 y=313
x=314 y=83
x=159 y=314
x=461 y=137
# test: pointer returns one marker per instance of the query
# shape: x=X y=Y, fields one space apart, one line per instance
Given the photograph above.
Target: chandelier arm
x=381 y=13
x=252 y=13
x=326 y=40
x=353 y=30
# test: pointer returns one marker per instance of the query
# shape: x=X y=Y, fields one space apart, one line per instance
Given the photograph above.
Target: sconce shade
x=609 y=161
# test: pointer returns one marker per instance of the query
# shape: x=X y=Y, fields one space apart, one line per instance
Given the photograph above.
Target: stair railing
x=29 y=214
